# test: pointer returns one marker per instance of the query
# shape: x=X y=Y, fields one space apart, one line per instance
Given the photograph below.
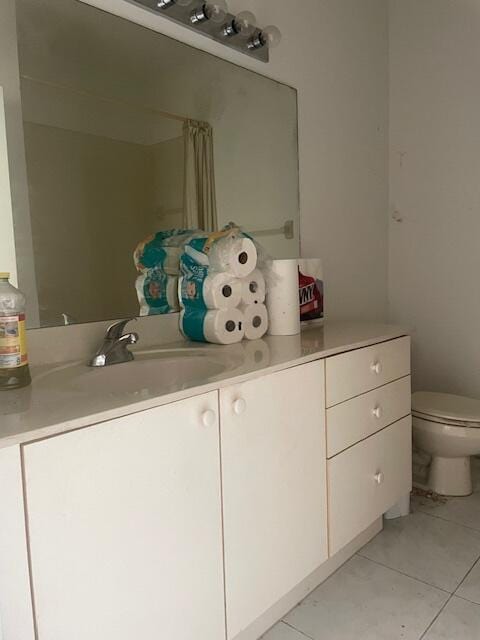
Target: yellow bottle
x=14 y=371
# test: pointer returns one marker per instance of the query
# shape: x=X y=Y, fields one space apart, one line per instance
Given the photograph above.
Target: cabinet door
x=274 y=488
x=125 y=527
x=367 y=479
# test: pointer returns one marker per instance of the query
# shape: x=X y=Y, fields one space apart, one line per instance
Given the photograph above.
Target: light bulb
x=216 y=11
x=244 y=23
x=271 y=36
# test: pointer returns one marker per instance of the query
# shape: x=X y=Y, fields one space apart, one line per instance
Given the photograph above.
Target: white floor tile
x=365 y=601
x=433 y=550
x=282 y=631
x=465 y=511
x=460 y=620
x=470 y=587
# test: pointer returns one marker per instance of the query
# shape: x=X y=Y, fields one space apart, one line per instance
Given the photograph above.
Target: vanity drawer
x=355 y=372
x=366 y=480
x=356 y=419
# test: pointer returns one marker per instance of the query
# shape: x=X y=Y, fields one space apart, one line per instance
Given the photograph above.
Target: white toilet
x=447 y=427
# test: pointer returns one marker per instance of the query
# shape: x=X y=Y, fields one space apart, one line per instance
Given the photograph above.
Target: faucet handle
x=115 y=330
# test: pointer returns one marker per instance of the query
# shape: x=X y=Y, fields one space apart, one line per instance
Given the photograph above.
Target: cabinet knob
x=208 y=418
x=239 y=406
x=377 y=412
x=379 y=477
x=376 y=367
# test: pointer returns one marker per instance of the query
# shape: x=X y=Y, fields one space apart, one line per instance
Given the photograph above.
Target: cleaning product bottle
x=14 y=371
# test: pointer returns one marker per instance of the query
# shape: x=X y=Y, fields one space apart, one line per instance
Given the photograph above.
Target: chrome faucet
x=114 y=346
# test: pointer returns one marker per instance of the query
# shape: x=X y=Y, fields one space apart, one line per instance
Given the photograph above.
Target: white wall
x=435 y=187
x=335 y=52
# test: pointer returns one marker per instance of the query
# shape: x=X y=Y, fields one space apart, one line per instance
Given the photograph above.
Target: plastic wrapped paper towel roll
x=311 y=292
x=282 y=298
x=254 y=288
x=237 y=256
x=223 y=326
x=255 y=319
x=214 y=291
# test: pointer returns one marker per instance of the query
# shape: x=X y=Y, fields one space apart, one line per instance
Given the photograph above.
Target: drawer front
x=350 y=374
x=366 y=480
x=360 y=417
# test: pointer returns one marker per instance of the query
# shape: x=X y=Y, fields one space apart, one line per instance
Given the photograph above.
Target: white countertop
x=43 y=409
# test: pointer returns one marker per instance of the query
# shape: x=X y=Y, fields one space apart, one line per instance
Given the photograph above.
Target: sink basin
x=151 y=371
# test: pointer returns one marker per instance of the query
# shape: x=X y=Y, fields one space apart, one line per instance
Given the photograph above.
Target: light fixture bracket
x=183 y=15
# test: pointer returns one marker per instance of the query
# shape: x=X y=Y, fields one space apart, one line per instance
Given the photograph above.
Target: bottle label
x=13 y=342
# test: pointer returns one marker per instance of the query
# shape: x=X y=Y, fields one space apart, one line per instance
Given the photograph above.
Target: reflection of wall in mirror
x=91 y=199
x=101 y=184
x=169 y=176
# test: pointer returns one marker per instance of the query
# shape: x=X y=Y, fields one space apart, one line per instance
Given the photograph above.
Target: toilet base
x=450 y=476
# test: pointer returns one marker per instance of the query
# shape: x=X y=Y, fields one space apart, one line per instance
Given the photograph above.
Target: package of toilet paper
x=157 y=259
x=221 y=289
x=202 y=289
x=220 y=326
x=162 y=250
x=157 y=292
x=228 y=251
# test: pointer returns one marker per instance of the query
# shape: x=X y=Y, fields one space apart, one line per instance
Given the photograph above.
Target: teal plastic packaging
x=219 y=326
x=157 y=292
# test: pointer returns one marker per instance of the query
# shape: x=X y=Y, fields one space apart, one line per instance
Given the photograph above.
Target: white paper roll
x=254 y=288
x=218 y=326
x=237 y=256
x=222 y=326
x=282 y=299
x=256 y=320
x=217 y=291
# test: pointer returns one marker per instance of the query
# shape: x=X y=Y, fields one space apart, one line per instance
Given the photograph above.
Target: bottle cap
x=4 y=274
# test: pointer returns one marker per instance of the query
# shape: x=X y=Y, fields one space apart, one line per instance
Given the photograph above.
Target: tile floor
x=419 y=579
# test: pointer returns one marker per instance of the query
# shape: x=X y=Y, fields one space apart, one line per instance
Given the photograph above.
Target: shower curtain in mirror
x=200 y=206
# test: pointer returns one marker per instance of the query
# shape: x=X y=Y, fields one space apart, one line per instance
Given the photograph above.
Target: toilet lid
x=447 y=406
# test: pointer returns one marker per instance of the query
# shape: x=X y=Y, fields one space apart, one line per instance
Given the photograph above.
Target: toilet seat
x=448 y=409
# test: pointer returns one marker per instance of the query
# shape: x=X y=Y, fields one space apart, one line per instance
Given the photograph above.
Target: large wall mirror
x=113 y=115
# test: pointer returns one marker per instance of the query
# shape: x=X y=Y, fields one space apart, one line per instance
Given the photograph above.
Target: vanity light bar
x=212 y=19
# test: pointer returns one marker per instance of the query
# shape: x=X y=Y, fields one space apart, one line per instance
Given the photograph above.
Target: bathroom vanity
x=198 y=508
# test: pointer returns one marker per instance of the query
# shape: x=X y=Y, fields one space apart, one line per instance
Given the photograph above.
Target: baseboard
x=296 y=595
